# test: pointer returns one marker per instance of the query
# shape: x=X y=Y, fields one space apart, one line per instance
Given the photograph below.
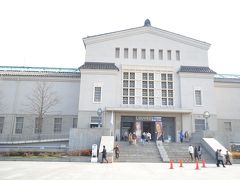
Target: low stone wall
x=84 y=138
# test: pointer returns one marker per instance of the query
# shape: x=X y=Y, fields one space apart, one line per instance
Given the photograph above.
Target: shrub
x=235 y=155
x=86 y=152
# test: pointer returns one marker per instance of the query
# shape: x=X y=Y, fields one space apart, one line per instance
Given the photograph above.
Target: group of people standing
x=195 y=152
x=145 y=137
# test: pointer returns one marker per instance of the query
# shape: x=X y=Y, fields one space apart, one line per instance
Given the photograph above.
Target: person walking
x=217 y=162
x=196 y=153
x=181 y=136
x=227 y=157
x=190 y=150
x=104 y=154
x=199 y=152
x=220 y=158
x=117 y=151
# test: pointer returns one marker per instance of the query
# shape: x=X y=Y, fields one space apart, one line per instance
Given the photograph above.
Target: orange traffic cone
x=181 y=163
x=197 y=167
x=203 y=163
x=171 y=165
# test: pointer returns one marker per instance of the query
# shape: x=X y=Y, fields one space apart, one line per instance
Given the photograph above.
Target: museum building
x=131 y=80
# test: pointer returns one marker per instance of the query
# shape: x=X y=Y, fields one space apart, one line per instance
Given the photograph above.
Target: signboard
x=94 y=157
x=156 y=118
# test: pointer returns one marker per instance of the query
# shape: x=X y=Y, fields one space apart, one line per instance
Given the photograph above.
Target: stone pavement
x=22 y=170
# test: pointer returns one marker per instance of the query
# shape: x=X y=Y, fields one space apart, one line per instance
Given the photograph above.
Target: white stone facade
x=134 y=76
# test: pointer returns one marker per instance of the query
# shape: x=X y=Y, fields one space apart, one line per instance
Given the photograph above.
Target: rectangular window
x=96 y=121
x=144 y=76
x=134 y=53
x=131 y=100
x=125 y=75
x=144 y=84
x=170 y=77
x=125 y=83
x=164 y=93
x=19 y=125
x=125 y=100
x=228 y=126
x=57 y=125
x=151 y=84
x=178 y=55
x=169 y=55
x=75 y=121
x=132 y=92
x=143 y=54
x=132 y=83
x=151 y=101
x=128 y=88
x=125 y=53
x=160 y=54
x=144 y=100
x=170 y=101
x=170 y=85
x=151 y=92
x=132 y=75
x=97 y=94
x=198 y=97
x=144 y=92
x=164 y=101
x=170 y=93
x=151 y=76
x=125 y=92
x=37 y=128
x=151 y=53
x=164 y=85
x=117 y=52
x=1 y=124
x=163 y=77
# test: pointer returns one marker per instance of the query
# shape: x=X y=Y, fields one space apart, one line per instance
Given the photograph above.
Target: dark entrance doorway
x=149 y=126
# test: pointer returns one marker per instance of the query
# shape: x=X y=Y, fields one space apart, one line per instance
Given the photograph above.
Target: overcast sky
x=48 y=33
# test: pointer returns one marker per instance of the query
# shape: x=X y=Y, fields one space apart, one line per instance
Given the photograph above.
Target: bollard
x=197 y=167
x=203 y=163
x=171 y=164
x=181 y=163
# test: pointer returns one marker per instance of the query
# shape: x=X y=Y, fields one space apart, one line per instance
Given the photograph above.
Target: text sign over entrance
x=156 y=118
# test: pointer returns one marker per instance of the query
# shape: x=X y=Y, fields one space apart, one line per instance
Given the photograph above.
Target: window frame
x=195 y=98
x=57 y=127
x=117 y=52
x=17 y=124
x=2 y=119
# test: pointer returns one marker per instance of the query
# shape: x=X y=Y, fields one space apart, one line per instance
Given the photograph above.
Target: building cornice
x=146 y=29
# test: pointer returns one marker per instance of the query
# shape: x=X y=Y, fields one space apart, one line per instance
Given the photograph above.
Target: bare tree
x=41 y=101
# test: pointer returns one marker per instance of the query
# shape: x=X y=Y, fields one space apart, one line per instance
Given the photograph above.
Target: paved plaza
x=22 y=170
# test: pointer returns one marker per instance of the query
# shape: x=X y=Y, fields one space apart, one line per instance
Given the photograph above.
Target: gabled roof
x=147 y=28
x=99 y=65
x=196 y=69
x=39 y=71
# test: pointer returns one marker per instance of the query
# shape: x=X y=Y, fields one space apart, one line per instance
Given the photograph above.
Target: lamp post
x=99 y=113
x=206 y=115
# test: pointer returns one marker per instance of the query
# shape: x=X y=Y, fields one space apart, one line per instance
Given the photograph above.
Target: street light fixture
x=99 y=113
x=206 y=115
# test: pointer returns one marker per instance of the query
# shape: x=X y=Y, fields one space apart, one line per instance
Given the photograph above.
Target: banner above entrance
x=156 y=118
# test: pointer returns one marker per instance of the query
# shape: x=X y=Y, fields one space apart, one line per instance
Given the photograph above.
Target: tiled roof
x=39 y=71
x=99 y=65
x=196 y=69
x=231 y=78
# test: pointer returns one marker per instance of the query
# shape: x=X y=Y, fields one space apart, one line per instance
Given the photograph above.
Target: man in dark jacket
x=104 y=154
x=217 y=158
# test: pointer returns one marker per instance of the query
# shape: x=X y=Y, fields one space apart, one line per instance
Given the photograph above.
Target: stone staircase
x=179 y=151
x=138 y=153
